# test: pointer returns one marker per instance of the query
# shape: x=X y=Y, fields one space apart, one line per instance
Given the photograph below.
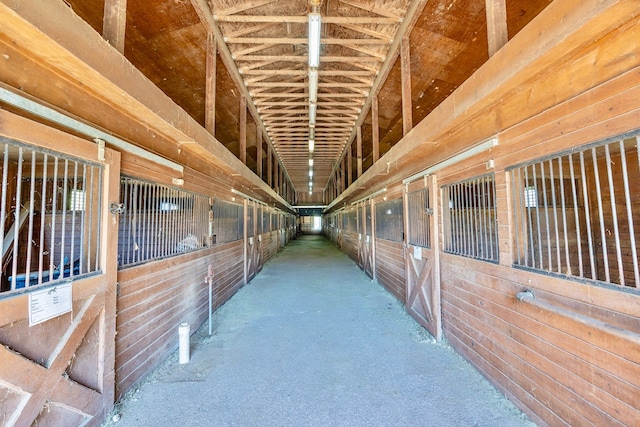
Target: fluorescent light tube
x=315 y=22
x=312 y=113
x=310 y=173
x=311 y=145
x=310 y=162
x=313 y=85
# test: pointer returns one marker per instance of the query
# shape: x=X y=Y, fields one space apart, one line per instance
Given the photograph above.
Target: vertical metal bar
x=587 y=210
x=535 y=186
x=487 y=217
x=54 y=211
x=567 y=257
x=43 y=211
x=554 y=204
x=153 y=222
x=134 y=219
x=90 y=218
x=518 y=208
x=83 y=220
x=16 y=221
x=532 y=250
x=99 y=216
x=627 y=199
x=546 y=216
x=32 y=190
x=469 y=232
x=3 y=195
x=603 y=234
x=63 y=232
x=576 y=209
x=614 y=215
x=74 y=213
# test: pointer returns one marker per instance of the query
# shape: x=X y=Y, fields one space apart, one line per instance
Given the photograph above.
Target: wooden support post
x=210 y=89
x=375 y=129
x=497 y=35
x=269 y=167
x=259 y=148
x=243 y=129
x=349 y=165
x=276 y=180
x=407 y=109
x=359 y=150
x=114 y=23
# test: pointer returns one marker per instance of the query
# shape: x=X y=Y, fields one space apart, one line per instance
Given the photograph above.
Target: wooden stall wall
x=389 y=243
x=350 y=233
x=569 y=354
x=155 y=298
x=566 y=352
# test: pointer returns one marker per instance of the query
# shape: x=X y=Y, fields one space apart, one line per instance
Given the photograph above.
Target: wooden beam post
x=114 y=23
x=359 y=150
x=210 y=90
x=497 y=35
x=243 y=129
x=405 y=63
x=349 y=165
x=375 y=129
x=259 y=148
x=269 y=167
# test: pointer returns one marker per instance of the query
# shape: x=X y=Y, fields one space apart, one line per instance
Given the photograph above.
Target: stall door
x=58 y=278
x=365 y=239
x=251 y=244
x=422 y=256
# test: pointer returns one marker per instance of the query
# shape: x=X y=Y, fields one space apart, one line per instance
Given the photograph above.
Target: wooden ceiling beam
x=367 y=52
x=242 y=7
x=301 y=58
x=371 y=8
x=368 y=32
x=304 y=19
x=303 y=40
x=250 y=30
x=248 y=50
x=204 y=14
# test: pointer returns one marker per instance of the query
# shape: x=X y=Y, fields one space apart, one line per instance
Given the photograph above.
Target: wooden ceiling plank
x=244 y=69
x=243 y=6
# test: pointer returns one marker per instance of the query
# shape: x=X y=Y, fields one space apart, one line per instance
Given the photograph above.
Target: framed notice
x=49 y=303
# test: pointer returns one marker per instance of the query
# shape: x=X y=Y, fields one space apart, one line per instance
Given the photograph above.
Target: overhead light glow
x=313 y=85
x=312 y=144
x=310 y=173
x=310 y=162
x=312 y=113
x=315 y=22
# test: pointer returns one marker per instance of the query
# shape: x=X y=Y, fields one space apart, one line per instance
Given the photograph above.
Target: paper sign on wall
x=49 y=303
x=417 y=252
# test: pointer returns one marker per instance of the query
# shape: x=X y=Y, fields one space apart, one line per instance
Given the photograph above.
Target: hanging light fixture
x=315 y=22
x=312 y=113
x=312 y=144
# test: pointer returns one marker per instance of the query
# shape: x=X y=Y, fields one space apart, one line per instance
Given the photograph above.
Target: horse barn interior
x=479 y=159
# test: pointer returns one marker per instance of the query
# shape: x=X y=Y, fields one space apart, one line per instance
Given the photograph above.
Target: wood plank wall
x=390 y=269
x=350 y=244
x=269 y=245
x=154 y=298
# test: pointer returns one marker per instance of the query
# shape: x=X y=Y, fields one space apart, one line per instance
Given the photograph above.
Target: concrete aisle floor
x=311 y=341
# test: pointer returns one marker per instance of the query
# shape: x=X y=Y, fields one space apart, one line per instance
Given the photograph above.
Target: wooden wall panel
x=565 y=370
x=269 y=245
x=390 y=269
x=350 y=245
x=154 y=298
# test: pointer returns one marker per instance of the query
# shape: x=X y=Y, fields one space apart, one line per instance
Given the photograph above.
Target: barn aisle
x=311 y=341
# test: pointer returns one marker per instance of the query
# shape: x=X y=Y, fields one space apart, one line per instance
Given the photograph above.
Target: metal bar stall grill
x=419 y=228
x=50 y=216
x=159 y=222
x=471 y=228
x=590 y=231
x=228 y=223
x=389 y=220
